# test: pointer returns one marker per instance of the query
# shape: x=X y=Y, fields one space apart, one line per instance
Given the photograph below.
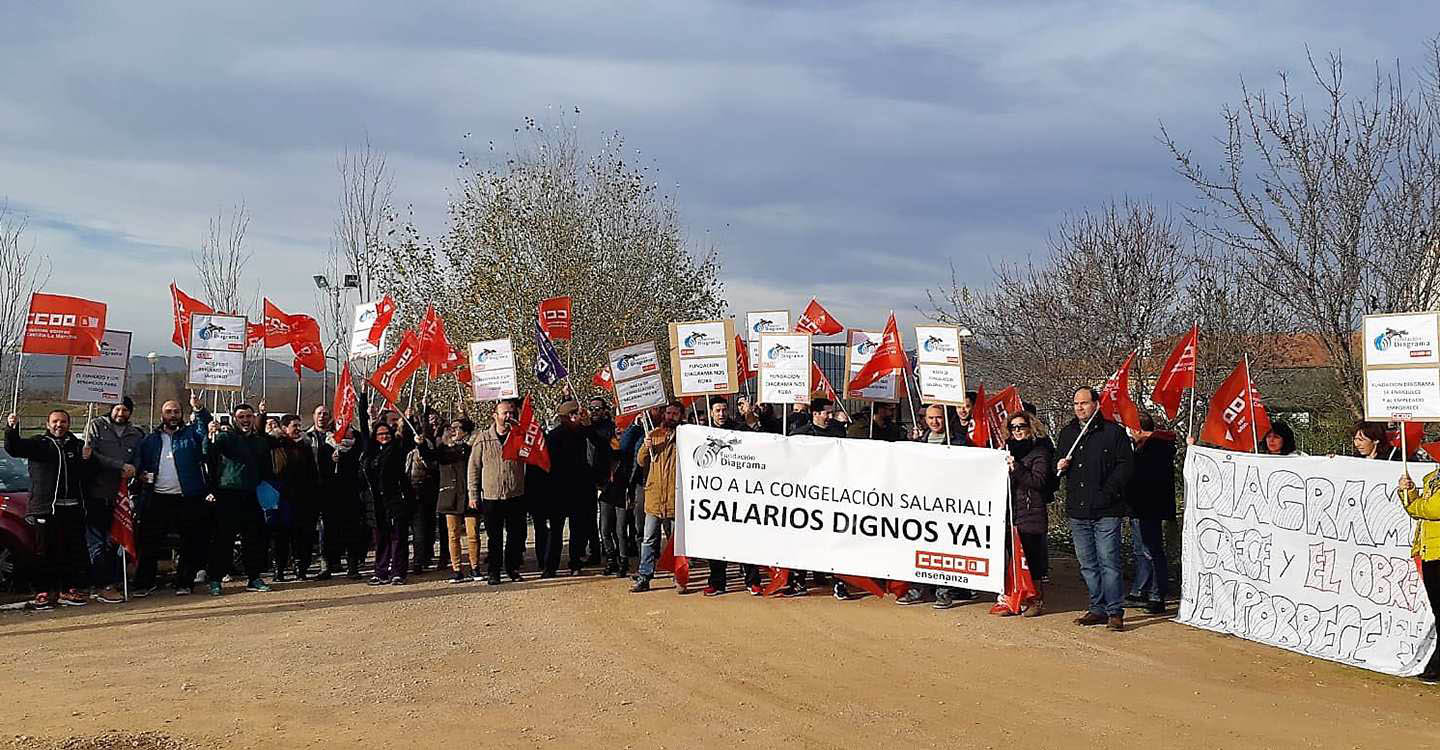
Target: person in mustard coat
x=1424 y=506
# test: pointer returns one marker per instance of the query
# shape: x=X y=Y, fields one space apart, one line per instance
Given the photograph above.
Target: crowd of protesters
x=418 y=491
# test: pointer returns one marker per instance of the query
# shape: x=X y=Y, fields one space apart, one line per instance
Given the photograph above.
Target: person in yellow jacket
x=1424 y=506
x=658 y=454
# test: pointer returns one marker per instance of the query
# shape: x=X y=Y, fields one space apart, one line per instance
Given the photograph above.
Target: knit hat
x=128 y=403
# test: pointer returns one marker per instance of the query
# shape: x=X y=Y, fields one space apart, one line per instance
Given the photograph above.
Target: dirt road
x=581 y=662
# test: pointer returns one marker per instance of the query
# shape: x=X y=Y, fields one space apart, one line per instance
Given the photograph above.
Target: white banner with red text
x=1307 y=553
x=899 y=511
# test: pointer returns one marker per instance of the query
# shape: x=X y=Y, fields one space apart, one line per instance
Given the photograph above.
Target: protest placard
x=492 y=370
x=1307 y=553
x=860 y=346
x=940 y=364
x=100 y=379
x=360 y=346
x=217 y=352
x=1402 y=367
x=784 y=375
x=702 y=358
x=635 y=372
x=763 y=321
x=898 y=511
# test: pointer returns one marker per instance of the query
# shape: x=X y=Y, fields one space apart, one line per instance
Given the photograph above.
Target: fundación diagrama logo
x=1388 y=338
x=209 y=331
x=695 y=339
x=706 y=455
x=934 y=343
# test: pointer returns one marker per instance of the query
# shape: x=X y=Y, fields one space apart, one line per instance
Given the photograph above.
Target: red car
x=17 y=540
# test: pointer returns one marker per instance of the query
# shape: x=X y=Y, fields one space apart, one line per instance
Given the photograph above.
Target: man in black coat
x=59 y=466
x=1097 y=464
x=1151 y=496
x=571 y=485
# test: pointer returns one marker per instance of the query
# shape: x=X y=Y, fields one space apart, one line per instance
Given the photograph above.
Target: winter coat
x=1100 y=469
x=1032 y=483
x=386 y=486
x=187 y=449
x=811 y=429
x=58 y=470
x=112 y=446
x=293 y=465
x=1150 y=494
x=489 y=475
x=657 y=456
x=452 y=464
x=1423 y=504
x=239 y=460
x=571 y=473
x=891 y=433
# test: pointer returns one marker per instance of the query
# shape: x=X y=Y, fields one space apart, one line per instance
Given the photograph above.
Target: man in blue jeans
x=1098 y=460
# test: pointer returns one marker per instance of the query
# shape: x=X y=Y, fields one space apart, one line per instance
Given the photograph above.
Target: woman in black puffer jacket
x=1032 y=487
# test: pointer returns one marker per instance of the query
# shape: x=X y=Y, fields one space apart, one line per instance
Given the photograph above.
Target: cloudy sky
x=845 y=149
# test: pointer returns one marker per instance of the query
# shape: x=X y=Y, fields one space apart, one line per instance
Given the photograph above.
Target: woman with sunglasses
x=1032 y=487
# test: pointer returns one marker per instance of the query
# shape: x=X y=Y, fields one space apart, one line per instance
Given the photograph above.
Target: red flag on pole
x=1115 y=402
x=254 y=333
x=345 y=399
x=742 y=359
x=817 y=320
x=1229 y=423
x=434 y=346
x=888 y=357
x=980 y=432
x=1414 y=433
x=526 y=441
x=278 y=326
x=1001 y=407
x=384 y=313
x=1178 y=373
x=1019 y=584
x=122 y=521
x=820 y=383
x=395 y=372
x=69 y=326
x=555 y=317
x=183 y=306
x=305 y=343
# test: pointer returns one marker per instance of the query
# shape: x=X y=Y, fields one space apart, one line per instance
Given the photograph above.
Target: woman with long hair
x=1032 y=487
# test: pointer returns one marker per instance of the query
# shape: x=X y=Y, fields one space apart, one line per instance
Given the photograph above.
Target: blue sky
x=849 y=150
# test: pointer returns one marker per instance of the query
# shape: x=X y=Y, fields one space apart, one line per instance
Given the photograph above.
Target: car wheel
x=9 y=569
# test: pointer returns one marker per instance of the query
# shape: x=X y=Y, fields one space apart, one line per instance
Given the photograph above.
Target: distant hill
x=47 y=373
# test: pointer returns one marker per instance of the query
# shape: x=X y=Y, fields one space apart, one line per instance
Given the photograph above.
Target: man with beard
x=572 y=486
x=58 y=465
x=171 y=466
x=656 y=455
x=112 y=439
x=721 y=419
x=497 y=490
x=240 y=461
x=342 y=516
x=293 y=463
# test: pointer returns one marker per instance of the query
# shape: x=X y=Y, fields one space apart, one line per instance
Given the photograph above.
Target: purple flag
x=548 y=368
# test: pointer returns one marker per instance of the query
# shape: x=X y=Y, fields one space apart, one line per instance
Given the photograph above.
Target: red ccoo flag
x=555 y=318
x=817 y=320
x=305 y=343
x=1230 y=424
x=183 y=306
x=742 y=359
x=434 y=346
x=395 y=372
x=981 y=431
x=888 y=357
x=345 y=399
x=384 y=313
x=1002 y=407
x=1178 y=373
x=122 y=521
x=1115 y=402
x=254 y=333
x=279 y=328
x=1019 y=584
x=68 y=326
x=820 y=383
x=526 y=441
x=1414 y=434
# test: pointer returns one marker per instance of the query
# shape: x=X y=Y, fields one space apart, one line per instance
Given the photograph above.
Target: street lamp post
x=152 y=356
x=348 y=281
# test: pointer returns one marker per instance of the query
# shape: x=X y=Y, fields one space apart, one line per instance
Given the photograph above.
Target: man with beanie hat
x=112 y=440
x=571 y=485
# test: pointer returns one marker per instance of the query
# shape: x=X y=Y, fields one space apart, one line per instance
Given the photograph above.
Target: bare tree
x=1110 y=284
x=365 y=213
x=220 y=262
x=23 y=271
x=1333 y=204
x=553 y=220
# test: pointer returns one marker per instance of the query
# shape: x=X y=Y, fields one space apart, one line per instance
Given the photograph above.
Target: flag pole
x=1250 y=399
x=1194 y=383
x=1404 y=452
x=124 y=579
x=19 y=367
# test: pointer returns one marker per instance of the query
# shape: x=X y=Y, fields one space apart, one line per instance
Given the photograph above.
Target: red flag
x=1414 y=434
x=817 y=320
x=1178 y=373
x=122 y=522
x=305 y=343
x=1019 y=584
x=1004 y=405
x=279 y=328
x=384 y=313
x=778 y=578
x=454 y=361
x=555 y=317
x=1432 y=450
x=254 y=333
x=742 y=359
x=183 y=306
x=602 y=378
x=463 y=374
x=888 y=357
x=980 y=413
x=1229 y=422
x=526 y=441
x=680 y=566
x=345 y=399
x=435 y=348
x=1115 y=402
x=395 y=372
x=623 y=422
x=69 y=326
x=821 y=384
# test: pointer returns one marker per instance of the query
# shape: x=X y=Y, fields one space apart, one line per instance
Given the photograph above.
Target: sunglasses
x=1019 y=426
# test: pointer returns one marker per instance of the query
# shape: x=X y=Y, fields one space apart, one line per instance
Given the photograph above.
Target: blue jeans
x=650 y=548
x=1152 y=569
x=1097 y=545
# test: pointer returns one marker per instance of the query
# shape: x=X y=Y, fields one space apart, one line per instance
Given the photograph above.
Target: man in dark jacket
x=934 y=433
x=240 y=460
x=878 y=424
x=297 y=478
x=721 y=419
x=171 y=465
x=1097 y=464
x=344 y=532
x=571 y=488
x=821 y=423
x=1151 y=497
x=112 y=438
x=604 y=444
x=59 y=464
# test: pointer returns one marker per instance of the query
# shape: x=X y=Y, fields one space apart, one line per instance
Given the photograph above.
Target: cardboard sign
x=1402 y=367
x=360 y=345
x=784 y=368
x=860 y=346
x=702 y=358
x=635 y=372
x=100 y=379
x=763 y=321
x=492 y=370
x=940 y=364
x=217 y=352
